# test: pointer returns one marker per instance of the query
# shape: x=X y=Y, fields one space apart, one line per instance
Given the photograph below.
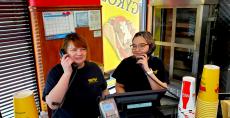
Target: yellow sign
x=120 y=19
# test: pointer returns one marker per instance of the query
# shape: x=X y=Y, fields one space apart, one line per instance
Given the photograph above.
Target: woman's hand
x=66 y=63
x=143 y=61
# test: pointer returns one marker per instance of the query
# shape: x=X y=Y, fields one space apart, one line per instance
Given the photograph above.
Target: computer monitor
x=138 y=102
x=137 y=96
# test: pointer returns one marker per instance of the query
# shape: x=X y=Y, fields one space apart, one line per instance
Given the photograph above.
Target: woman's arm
x=155 y=83
x=55 y=96
x=119 y=88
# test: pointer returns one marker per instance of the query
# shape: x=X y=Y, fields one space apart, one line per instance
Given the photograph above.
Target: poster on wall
x=120 y=23
x=58 y=24
x=94 y=20
x=81 y=18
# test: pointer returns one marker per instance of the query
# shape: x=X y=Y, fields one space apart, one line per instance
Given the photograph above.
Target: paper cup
x=209 y=85
x=186 y=107
x=206 y=109
x=24 y=105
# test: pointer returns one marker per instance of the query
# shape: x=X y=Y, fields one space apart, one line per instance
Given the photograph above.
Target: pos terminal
x=132 y=104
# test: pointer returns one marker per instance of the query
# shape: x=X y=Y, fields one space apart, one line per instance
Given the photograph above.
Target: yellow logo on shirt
x=155 y=71
x=92 y=80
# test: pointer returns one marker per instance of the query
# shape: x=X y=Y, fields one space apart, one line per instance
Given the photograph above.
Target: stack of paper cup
x=186 y=107
x=207 y=99
x=24 y=104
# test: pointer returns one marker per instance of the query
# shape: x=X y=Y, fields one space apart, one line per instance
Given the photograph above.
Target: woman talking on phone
x=73 y=87
x=141 y=71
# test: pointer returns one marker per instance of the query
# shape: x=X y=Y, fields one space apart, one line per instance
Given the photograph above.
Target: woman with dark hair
x=74 y=87
x=141 y=71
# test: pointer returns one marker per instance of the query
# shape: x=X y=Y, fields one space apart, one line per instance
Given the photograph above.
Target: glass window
x=185 y=25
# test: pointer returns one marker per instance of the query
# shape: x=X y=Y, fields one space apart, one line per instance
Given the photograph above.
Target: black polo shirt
x=82 y=97
x=133 y=77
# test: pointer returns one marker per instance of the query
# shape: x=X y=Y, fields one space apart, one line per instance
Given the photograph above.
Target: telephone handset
x=62 y=52
x=150 y=51
x=108 y=108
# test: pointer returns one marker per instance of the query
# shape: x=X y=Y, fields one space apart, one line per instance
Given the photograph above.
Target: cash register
x=138 y=104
